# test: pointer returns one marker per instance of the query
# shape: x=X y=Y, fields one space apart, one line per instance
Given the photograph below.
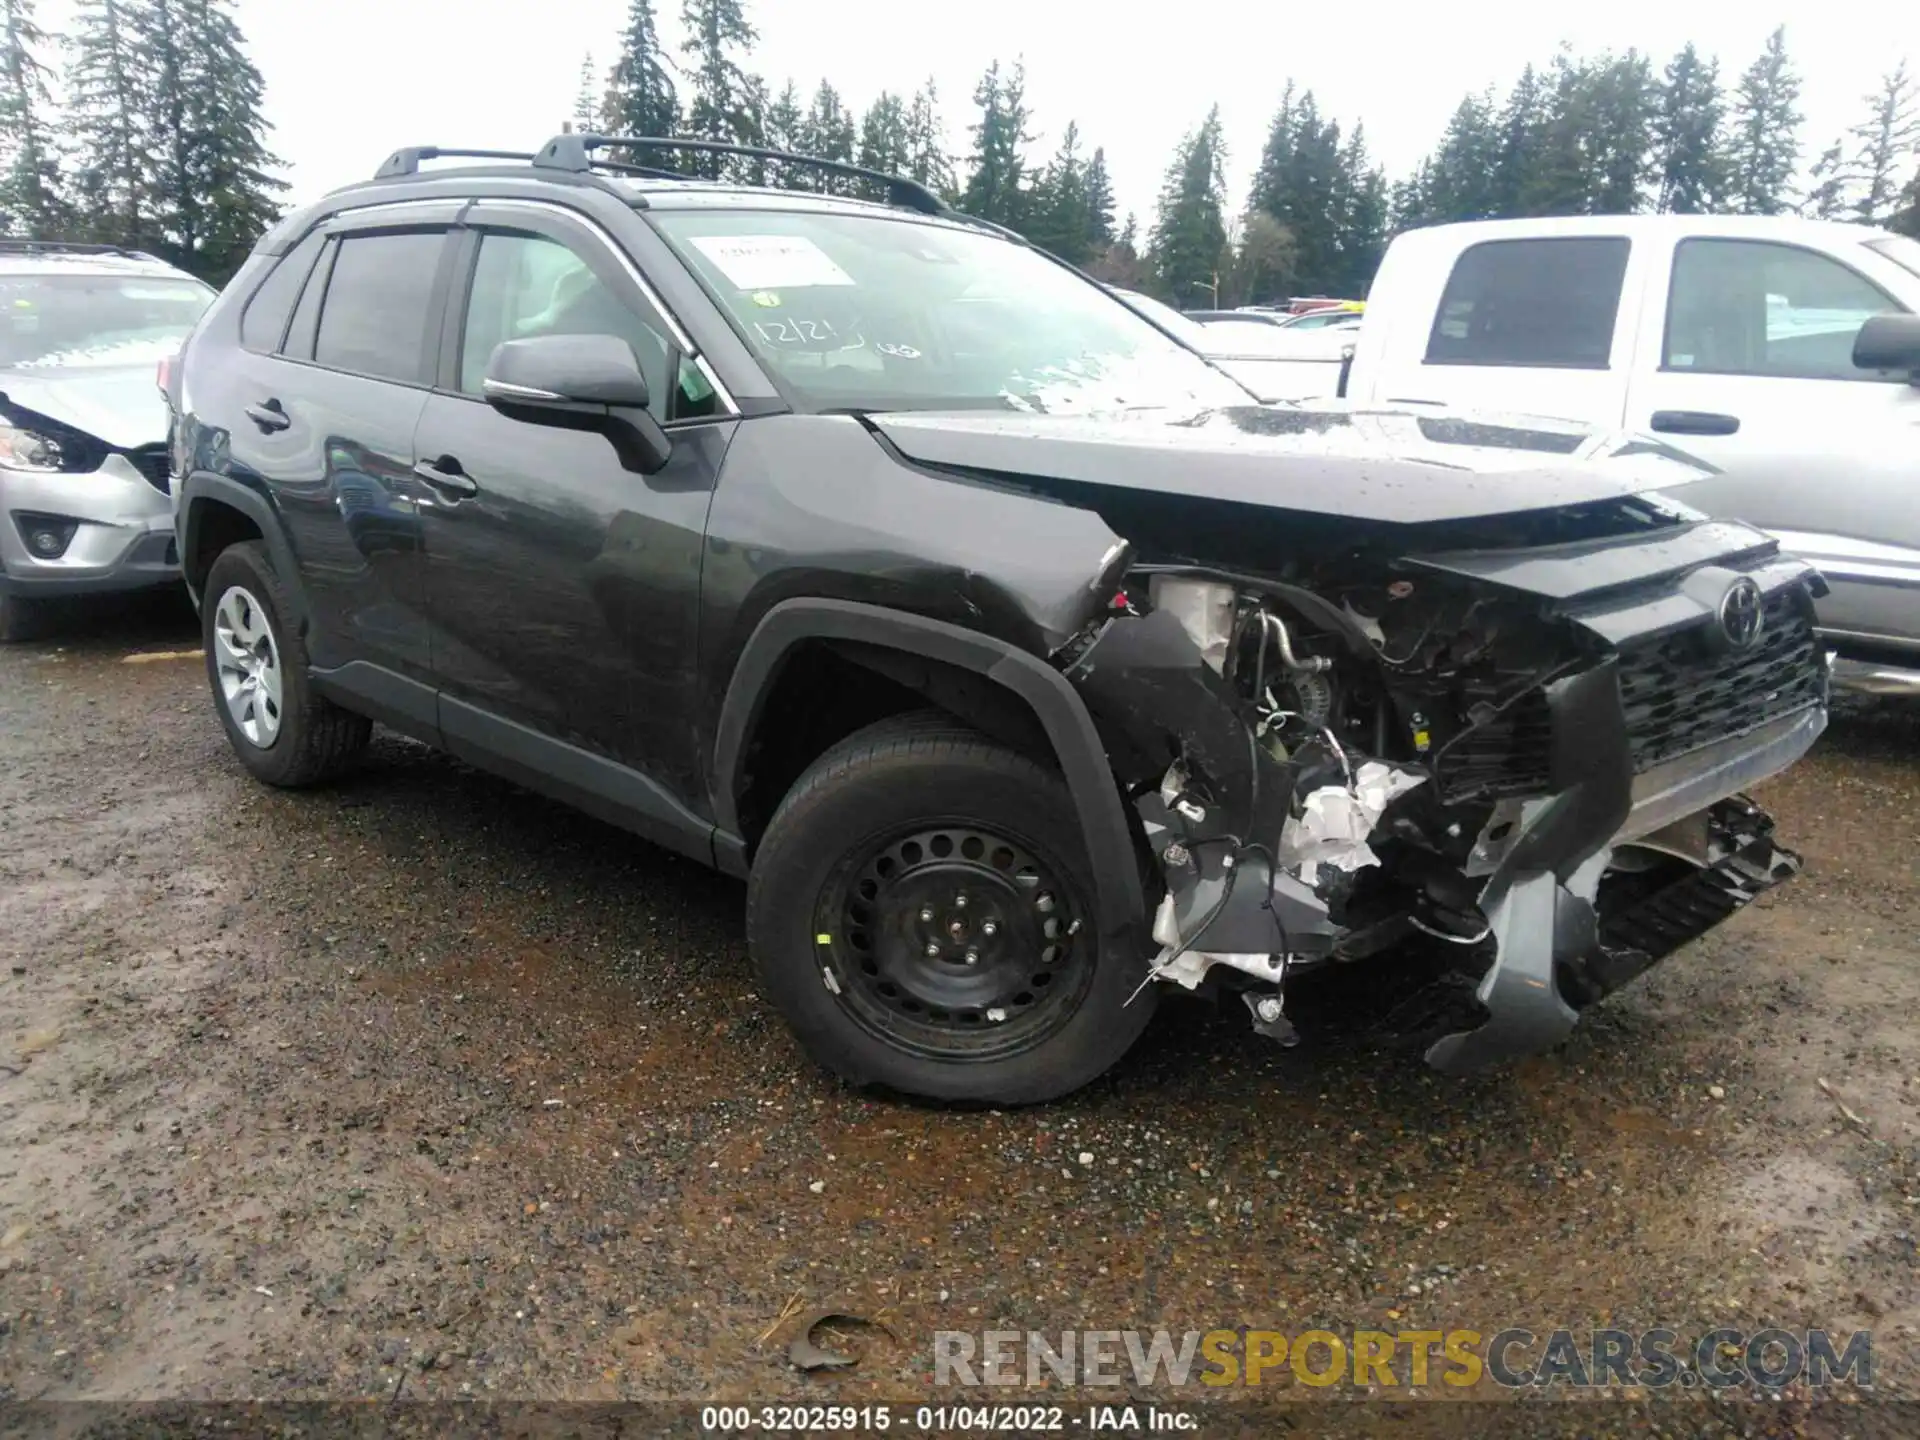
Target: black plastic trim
x=203 y=486
x=592 y=783
x=409 y=706
x=1054 y=702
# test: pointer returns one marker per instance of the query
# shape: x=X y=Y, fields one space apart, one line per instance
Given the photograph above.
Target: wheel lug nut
x=960 y=902
x=1043 y=903
x=933 y=951
x=989 y=928
x=973 y=957
x=926 y=914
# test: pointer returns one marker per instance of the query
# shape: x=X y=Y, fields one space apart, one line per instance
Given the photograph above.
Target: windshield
x=95 y=319
x=870 y=312
x=1898 y=248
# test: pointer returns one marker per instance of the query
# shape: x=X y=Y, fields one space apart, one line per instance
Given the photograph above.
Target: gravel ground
x=423 y=1085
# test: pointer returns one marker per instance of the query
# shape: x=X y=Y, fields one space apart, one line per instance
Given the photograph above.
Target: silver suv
x=83 y=426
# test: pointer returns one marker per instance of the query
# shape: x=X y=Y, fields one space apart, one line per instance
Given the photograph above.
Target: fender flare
x=204 y=485
x=1069 y=728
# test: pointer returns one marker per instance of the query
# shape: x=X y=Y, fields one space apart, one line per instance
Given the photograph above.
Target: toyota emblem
x=1741 y=616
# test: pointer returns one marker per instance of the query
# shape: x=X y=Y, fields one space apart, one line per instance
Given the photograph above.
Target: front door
x=564 y=588
x=1754 y=374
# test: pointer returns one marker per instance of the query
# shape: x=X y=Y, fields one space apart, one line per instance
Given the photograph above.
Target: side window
x=1548 y=302
x=528 y=285
x=374 y=318
x=1751 y=307
x=264 y=322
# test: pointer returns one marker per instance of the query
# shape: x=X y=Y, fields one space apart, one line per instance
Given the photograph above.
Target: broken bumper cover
x=1559 y=944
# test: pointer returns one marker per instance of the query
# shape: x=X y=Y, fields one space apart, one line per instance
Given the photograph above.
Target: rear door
x=564 y=588
x=1752 y=370
x=328 y=414
x=1536 y=325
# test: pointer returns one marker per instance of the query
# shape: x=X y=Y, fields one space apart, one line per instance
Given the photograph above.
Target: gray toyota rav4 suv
x=83 y=428
x=1023 y=664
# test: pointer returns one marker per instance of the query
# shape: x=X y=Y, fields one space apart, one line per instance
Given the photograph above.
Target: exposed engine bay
x=1530 y=766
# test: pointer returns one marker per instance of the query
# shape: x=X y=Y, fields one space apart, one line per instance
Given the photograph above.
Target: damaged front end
x=1524 y=758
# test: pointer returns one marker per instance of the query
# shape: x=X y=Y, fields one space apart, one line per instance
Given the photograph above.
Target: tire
x=857 y=881
x=21 y=619
x=291 y=738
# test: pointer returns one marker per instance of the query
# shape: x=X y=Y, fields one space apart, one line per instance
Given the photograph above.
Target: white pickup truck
x=1784 y=353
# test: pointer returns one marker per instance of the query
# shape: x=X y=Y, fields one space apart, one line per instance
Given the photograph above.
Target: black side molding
x=1054 y=702
x=601 y=787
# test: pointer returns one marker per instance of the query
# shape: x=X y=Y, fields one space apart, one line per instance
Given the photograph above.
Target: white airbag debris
x=1335 y=821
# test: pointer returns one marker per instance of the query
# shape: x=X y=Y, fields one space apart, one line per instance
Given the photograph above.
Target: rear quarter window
x=373 y=321
x=264 y=322
x=1547 y=302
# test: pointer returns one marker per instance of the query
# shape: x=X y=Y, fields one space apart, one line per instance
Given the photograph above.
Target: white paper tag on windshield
x=771 y=262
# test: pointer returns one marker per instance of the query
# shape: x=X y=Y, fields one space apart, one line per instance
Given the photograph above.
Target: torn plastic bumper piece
x=1539 y=903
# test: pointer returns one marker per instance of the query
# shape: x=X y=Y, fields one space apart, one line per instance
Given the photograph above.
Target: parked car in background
x=1249 y=316
x=83 y=457
x=1334 y=317
x=1262 y=356
x=1783 y=353
x=1020 y=664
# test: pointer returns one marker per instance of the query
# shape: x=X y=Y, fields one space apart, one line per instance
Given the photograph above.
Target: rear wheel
x=257 y=664
x=921 y=910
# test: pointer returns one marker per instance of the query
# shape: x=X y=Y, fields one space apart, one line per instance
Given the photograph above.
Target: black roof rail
x=575 y=153
x=69 y=247
x=406 y=161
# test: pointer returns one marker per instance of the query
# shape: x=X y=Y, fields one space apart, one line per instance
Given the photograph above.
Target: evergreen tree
x=213 y=193
x=1688 y=166
x=1099 y=202
x=1362 y=237
x=1833 y=181
x=1764 y=143
x=1058 y=220
x=996 y=180
x=785 y=124
x=1190 y=233
x=1906 y=219
x=717 y=38
x=1264 y=259
x=885 y=144
x=107 y=123
x=1886 y=142
x=1620 y=103
x=927 y=159
x=640 y=97
x=1518 y=144
x=586 y=107
x=1459 y=181
x=1407 y=207
x=827 y=133
x=1561 y=178
x=30 y=200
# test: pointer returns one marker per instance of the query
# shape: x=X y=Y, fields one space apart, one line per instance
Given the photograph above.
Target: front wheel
x=921 y=910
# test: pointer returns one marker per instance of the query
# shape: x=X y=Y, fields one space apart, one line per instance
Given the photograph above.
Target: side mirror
x=579 y=382
x=1889 y=342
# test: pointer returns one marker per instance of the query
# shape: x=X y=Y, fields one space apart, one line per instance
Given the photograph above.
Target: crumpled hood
x=120 y=404
x=1394 y=466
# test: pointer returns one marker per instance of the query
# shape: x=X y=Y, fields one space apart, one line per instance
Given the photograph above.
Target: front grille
x=151 y=461
x=1678 y=695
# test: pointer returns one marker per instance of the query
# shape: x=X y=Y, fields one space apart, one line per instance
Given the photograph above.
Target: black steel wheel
x=955 y=940
x=922 y=912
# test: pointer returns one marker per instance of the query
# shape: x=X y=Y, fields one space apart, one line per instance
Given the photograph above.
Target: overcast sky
x=349 y=80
